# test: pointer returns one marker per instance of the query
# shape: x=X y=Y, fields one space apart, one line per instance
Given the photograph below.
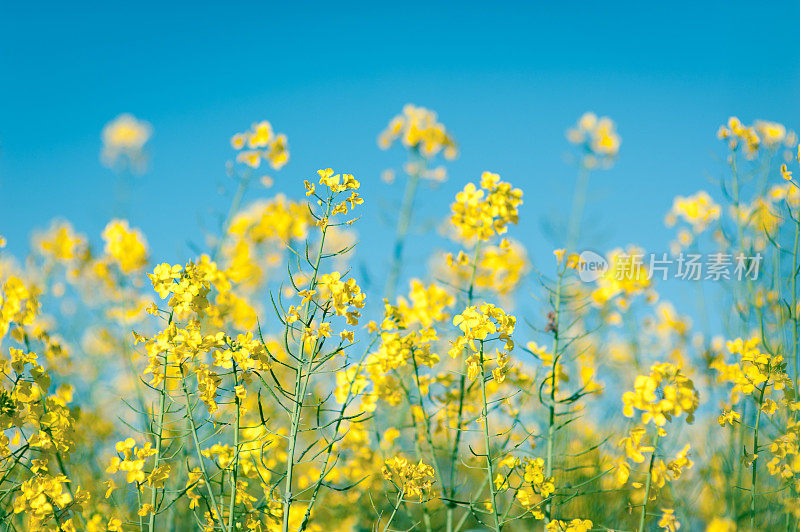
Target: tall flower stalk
x=420 y=133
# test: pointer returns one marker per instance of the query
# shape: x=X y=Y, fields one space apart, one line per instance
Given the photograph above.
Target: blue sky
x=507 y=79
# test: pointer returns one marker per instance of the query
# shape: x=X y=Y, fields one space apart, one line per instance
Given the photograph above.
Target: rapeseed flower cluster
x=124 y=139
x=698 y=210
x=663 y=394
x=413 y=480
x=261 y=143
x=480 y=213
x=418 y=128
x=598 y=139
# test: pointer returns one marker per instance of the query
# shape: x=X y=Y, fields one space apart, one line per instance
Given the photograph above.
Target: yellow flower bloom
x=123 y=141
x=598 y=136
x=125 y=246
x=262 y=144
x=418 y=129
x=483 y=212
x=414 y=480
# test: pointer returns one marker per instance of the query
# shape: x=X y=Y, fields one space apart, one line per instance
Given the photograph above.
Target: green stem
x=296 y=408
x=232 y=210
x=334 y=439
x=426 y=419
x=475 y=500
x=486 y=441
x=193 y=427
x=754 y=490
x=794 y=317
x=403 y=223
x=235 y=465
x=648 y=482
x=552 y=406
x=394 y=510
x=301 y=384
x=157 y=458
x=426 y=516
x=578 y=204
x=462 y=390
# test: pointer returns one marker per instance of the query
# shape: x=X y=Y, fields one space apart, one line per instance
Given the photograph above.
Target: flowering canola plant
x=265 y=383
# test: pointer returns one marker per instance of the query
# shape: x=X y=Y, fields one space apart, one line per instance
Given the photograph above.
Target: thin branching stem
x=647 y=484
x=301 y=383
x=461 y=392
x=403 y=224
x=200 y=458
x=158 y=437
x=487 y=444
x=551 y=425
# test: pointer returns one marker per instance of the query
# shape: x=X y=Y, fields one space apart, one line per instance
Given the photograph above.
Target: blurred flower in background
x=698 y=210
x=770 y=133
x=420 y=132
x=419 y=128
x=598 y=137
x=261 y=143
x=124 y=139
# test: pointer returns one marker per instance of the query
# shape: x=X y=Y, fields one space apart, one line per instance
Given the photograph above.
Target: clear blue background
x=506 y=78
